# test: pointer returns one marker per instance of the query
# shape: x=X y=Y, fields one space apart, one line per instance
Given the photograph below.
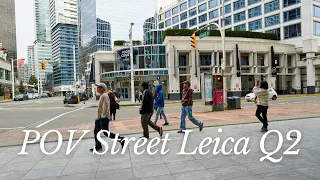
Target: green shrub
x=244 y=34
x=119 y=43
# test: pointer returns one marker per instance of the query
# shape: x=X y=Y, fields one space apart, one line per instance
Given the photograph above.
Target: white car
x=30 y=96
x=272 y=95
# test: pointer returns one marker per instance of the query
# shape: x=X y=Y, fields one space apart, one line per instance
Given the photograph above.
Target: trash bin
x=237 y=101
x=231 y=103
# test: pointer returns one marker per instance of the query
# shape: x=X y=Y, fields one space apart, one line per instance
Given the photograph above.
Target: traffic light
x=193 y=41
x=43 y=65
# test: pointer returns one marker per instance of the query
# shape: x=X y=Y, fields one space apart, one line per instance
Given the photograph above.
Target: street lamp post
x=223 y=66
x=131 y=62
x=12 y=77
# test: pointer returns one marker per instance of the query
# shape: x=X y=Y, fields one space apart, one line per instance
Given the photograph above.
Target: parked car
x=70 y=98
x=30 y=96
x=83 y=97
x=36 y=96
x=272 y=95
x=44 y=95
x=21 y=97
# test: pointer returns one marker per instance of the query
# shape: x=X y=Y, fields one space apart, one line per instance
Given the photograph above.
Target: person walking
x=155 y=97
x=159 y=105
x=262 y=102
x=113 y=105
x=136 y=96
x=103 y=118
x=146 y=111
x=186 y=109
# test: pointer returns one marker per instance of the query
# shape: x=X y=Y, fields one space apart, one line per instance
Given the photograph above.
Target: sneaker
x=264 y=130
x=180 y=131
x=122 y=141
x=97 y=149
x=165 y=124
x=160 y=131
x=201 y=127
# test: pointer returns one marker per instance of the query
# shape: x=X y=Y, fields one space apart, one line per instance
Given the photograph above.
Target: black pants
x=102 y=124
x=113 y=115
x=145 y=122
x=262 y=110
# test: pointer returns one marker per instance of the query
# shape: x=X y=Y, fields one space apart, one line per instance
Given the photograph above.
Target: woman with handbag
x=113 y=105
x=262 y=102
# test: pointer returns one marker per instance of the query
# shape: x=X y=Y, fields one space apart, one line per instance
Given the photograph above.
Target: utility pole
x=12 y=78
x=74 y=68
x=223 y=66
x=131 y=64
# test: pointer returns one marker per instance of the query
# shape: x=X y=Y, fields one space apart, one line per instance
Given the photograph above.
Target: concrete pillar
x=310 y=74
x=173 y=79
x=195 y=70
x=235 y=82
x=296 y=81
x=213 y=58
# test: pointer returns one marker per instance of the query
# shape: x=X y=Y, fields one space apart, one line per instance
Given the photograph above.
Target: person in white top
x=262 y=95
x=103 y=117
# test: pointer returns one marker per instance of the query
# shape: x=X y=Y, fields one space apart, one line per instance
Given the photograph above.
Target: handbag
x=117 y=106
x=255 y=100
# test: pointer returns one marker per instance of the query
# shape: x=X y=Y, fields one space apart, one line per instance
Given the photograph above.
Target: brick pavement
x=132 y=125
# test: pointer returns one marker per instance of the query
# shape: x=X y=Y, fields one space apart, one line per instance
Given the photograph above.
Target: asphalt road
x=50 y=113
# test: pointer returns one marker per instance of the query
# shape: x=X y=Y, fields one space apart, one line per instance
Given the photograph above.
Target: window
x=213 y=14
x=161 y=25
x=192 y=3
x=184 y=25
x=253 y=2
x=193 y=22
x=241 y=27
x=202 y=7
x=291 y=15
x=1 y=73
x=205 y=60
x=176 y=26
x=183 y=6
x=316 y=11
x=203 y=18
x=175 y=10
x=292 y=31
x=168 y=14
x=239 y=4
x=272 y=20
x=239 y=17
x=316 y=26
x=271 y=6
x=192 y=12
x=227 y=20
x=287 y=3
x=7 y=75
x=253 y=12
x=175 y=19
x=227 y=9
x=168 y=22
x=213 y=3
x=275 y=31
x=183 y=16
x=254 y=25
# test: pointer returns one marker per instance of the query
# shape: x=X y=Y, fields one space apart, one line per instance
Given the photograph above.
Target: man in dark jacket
x=159 y=105
x=186 y=109
x=146 y=111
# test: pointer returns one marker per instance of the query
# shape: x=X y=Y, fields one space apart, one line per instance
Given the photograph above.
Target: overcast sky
x=26 y=31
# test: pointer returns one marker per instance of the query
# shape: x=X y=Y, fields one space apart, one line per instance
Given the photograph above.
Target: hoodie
x=147 y=100
x=159 y=102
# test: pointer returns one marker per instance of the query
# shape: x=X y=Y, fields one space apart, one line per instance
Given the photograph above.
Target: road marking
x=60 y=115
x=11 y=128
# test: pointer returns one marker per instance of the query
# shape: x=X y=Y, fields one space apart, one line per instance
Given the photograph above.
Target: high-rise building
x=23 y=73
x=20 y=63
x=64 y=35
x=95 y=30
x=8 y=29
x=294 y=22
x=42 y=44
x=31 y=61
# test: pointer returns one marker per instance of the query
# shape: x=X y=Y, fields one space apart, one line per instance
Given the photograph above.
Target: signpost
x=202 y=35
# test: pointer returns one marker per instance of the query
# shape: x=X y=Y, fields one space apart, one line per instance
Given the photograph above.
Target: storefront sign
x=124 y=56
x=206 y=88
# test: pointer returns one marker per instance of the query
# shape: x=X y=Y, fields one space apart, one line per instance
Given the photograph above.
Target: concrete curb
x=5 y=101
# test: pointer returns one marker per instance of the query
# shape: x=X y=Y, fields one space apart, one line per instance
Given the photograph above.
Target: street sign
x=202 y=35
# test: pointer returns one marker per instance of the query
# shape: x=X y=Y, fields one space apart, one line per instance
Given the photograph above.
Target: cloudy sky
x=26 y=30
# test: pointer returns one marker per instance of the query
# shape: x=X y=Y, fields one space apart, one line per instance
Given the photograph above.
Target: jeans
x=145 y=121
x=160 y=111
x=262 y=110
x=102 y=124
x=187 y=110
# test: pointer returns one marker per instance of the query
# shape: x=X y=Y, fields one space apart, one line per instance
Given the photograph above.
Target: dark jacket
x=147 y=102
x=159 y=102
x=187 y=97
x=113 y=103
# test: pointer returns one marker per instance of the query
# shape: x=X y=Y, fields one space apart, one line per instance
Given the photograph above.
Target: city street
x=51 y=113
x=80 y=164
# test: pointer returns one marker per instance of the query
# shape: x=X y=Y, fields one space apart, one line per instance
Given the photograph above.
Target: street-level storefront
x=121 y=81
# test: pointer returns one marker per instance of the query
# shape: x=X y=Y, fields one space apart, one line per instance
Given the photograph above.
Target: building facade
x=95 y=30
x=42 y=20
x=8 y=29
x=64 y=35
x=293 y=21
x=31 y=61
x=42 y=52
x=5 y=73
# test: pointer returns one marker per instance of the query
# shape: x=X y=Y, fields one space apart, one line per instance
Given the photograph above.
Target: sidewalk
x=220 y=118
x=83 y=165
